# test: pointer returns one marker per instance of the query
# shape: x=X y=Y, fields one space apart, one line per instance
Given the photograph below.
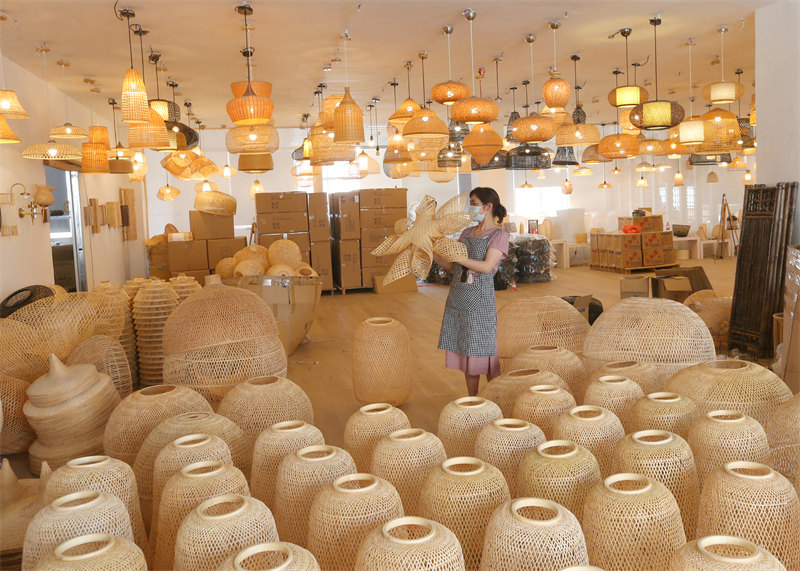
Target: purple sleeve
x=465 y=232
x=500 y=242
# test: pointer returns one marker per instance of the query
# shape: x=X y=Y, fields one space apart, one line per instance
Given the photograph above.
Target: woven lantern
x=108 y=357
x=273 y=555
x=723 y=92
x=621 y=146
x=722 y=131
x=505 y=389
x=723 y=553
x=657 y=115
x=482 y=143
x=504 y=442
x=150 y=135
x=460 y=422
x=410 y=544
x=252 y=139
x=348 y=121
x=627 y=96
x=578 y=134
x=94 y=551
x=555 y=91
x=462 y=494
x=474 y=110
x=664 y=411
x=595 y=428
x=403 y=114
x=533 y=533
x=615 y=393
x=632 y=522
x=562 y=362
x=625 y=125
x=397 y=151
x=425 y=134
x=741 y=498
x=367 y=426
x=542 y=405
x=250 y=108
x=653 y=147
x=272 y=446
x=783 y=433
x=381 y=361
x=449 y=92
x=666 y=458
x=7 y=134
x=534 y=129
x=134 y=98
x=10 y=107
x=326 y=151
x=16 y=434
x=301 y=476
x=528 y=156
x=649 y=376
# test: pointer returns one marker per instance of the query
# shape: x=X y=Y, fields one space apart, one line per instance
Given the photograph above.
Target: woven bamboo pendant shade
x=108 y=357
x=533 y=533
x=367 y=426
x=482 y=143
x=256 y=253
x=215 y=202
x=154 y=302
x=427 y=132
x=615 y=393
x=16 y=434
x=534 y=129
x=562 y=362
x=135 y=109
x=666 y=458
x=252 y=139
x=474 y=110
x=7 y=134
x=657 y=115
x=783 y=433
x=460 y=422
x=595 y=428
x=301 y=476
x=741 y=498
x=621 y=146
x=78 y=513
x=344 y=512
x=19 y=360
x=250 y=108
x=504 y=442
x=722 y=131
x=248 y=268
x=329 y=105
x=10 y=107
x=578 y=134
x=94 y=551
x=555 y=91
x=326 y=150
x=94 y=158
x=348 y=121
x=649 y=376
x=258 y=403
x=664 y=411
x=397 y=152
x=285 y=252
x=128 y=337
x=150 y=135
x=218 y=528
x=184 y=286
x=410 y=544
x=182 y=493
x=256 y=164
x=627 y=96
x=722 y=436
x=505 y=389
x=632 y=522
x=541 y=405
x=449 y=92
x=735 y=385
x=625 y=125
x=262 y=88
x=273 y=555
x=403 y=114
x=271 y=447
x=381 y=361
x=22 y=500
x=462 y=494
x=724 y=553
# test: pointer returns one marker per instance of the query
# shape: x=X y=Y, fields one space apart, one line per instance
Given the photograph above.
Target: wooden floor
x=322 y=364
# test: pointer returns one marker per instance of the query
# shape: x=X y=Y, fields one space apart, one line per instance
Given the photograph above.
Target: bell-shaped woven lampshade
x=565 y=156
x=134 y=98
x=533 y=533
x=52 y=151
x=723 y=92
x=403 y=114
x=649 y=376
x=723 y=553
x=381 y=361
x=7 y=134
x=460 y=422
x=721 y=133
x=504 y=442
x=740 y=497
x=348 y=121
x=555 y=91
x=657 y=115
x=255 y=164
x=562 y=362
x=250 y=108
x=482 y=143
x=152 y=134
x=94 y=551
x=664 y=411
x=783 y=432
x=615 y=393
x=367 y=426
x=593 y=427
x=426 y=133
x=534 y=129
x=627 y=96
x=474 y=110
x=94 y=158
x=448 y=92
x=578 y=134
x=10 y=107
x=272 y=555
x=509 y=386
x=542 y=405
x=620 y=146
x=527 y=156
x=252 y=139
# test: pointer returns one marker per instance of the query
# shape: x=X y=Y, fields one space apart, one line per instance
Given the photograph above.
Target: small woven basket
x=664 y=411
x=504 y=442
x=562 y=362
x=542 y=405
x=615 y=393
x=723 y=553
x=506 y=389
x=593 y=427
x=461 y=420
x=94 y=552
x=367 y=426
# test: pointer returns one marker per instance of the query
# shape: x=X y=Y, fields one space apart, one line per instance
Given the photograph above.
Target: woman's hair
x=487 y=195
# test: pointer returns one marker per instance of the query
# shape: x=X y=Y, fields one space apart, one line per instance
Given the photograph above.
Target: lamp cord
x=526 y=87
x=472 y=55
x=497 y=77
x=627 y=66
x=346 y=73
x=449 y=63
x=691 y=99
x=722 y=54
x=247 y=43
x=655 y=56
x=408 y=77
x=130 y=42
x=114 y=119
x=424 y=92
x=555 y=65
x=44 y=58
x=64 y=89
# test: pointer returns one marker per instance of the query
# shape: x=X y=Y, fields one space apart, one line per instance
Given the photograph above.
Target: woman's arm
x=443 y=263
x=486 y=266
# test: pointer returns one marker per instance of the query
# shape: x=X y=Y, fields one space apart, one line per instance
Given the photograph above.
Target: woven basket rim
x=203 y=508
x=275 y=546
x=192 y=440
x=544 y=389
x=376 y=408
x=302 y=454
x=527 y=502
x=639 y=437
x=544 y=446
x=93 y=497
x=409 y=520
x=470 y=402
x=156 y=390
x=511 y=424
x=62 y=548
x=407 y=434
x=463 y=460
x=733 y=467
x=664 y=396
x=705 y=542
x=379 y=321
x=716 y=415
x=188 y=470
x=89 y=461
x=609 y=482
x=339 y=483
x=289 y=425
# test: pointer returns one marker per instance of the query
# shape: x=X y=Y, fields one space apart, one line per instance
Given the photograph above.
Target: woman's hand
x=443 y=263
x=485 y=266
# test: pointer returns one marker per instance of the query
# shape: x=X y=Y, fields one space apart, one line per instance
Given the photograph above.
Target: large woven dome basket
x=19 y=358
x=542 y=405
x=460 y=422
x=562 y=362
x=723 y=553
x=381 y=361
x=595 y=428
x=271 y=557
x=367 y=426
x=783 y=432
x=504 y=442
x=664 y=411
x=505 y=389
x=94 y=552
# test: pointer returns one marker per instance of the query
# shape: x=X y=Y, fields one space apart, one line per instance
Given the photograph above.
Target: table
x=692 y=244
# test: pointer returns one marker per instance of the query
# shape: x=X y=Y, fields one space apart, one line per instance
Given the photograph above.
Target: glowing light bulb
x=206 y=186
x=5 y=104
x=252 y=136
x=52 y=151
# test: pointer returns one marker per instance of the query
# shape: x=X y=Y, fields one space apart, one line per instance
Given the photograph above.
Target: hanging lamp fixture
x=405 y=111
x=166 y=109
x=641 y=182
x=526 y=156
x=167 y=192
x=134 y=93
x=119 y=158
x=474 y=110
x=448 y=92
x=603 y=185
x=722 y=92
x=94 y=153
x=249 y=108
x=566 y=186
x=67 y=130
x=691 y=131
x=425 y=134
x=628 y=95
x=10 y=107
x=153 y=134
x=348 y=119
x=555 y=90
x=534 y=128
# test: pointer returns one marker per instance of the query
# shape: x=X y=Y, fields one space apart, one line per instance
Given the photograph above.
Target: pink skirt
x=473 y=365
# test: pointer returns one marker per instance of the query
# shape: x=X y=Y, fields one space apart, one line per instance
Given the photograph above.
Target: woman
x=469 y=325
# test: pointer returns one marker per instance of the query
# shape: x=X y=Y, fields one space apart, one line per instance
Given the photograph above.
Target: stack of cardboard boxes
x=211 y=240
x=650 y=247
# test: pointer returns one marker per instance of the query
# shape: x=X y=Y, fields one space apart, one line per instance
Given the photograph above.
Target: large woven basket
x=505 y=389
x=723 y=553
x=108 y=357
x=381 y=361
x=16 y=434
x=562 y=362
x=615 y=393
x=460 y=422
x=367 y=426
x=94 y=552
x=715 y=311
x=271 y=556
x=783 y=433
x=649 y=376
x=593 y=427
x=504 y=442
x=664 y=411
x=542 y=405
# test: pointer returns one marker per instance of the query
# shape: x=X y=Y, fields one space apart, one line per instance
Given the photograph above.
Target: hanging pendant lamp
x=67 y=130
x=722 y=92
x=555 y=90
x=397 y=151
x=482 y=143
x=448 y=92
x=618 y=146
x=249 y=108
x=565 y=156
x=348 y=119
x=628 y=95
x=7 y=134
x=473 y=110
x=691 y=131
x=534 y=128
x=10 y=107
x=166 y=109
x=425 y=133
x=134 y=94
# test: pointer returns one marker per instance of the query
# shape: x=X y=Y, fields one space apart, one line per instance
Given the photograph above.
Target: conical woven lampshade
x=664 y=411
x=348 y=121
x=504 y=442
x=94 y=158
x=397 y=152
x=562 y=362
x=367 y=426
x=505 y=390
x=252 y=139
x=542 y=405
x=618 y=146
x=134 y=98
x=10 y=107
x=99 y=134
x=593 y=427
x=152 y=134
x=723 y=553
x=250 y=108
x=403 y=114
x=52 y=151
x=474 y=110
x=94 y=551
x=460 y=422
x=555 y=91
x=482 y=143
x=448 y=92
x=615 y=393
x=7 y=135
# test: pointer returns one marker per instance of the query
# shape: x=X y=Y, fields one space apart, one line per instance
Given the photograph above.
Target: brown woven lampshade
x=577 y=134
x=10 y=107
x=482 y=143
x=348 y=121
x=534 y=129
x=618 y=146
x=627 y=96
x=256 y=164
x=7 y=135
x=252 y=139
x=555 y=91
x=426 y=134
x=68 y=131
x=721 y=133
x=134 y=98
x=326 y=151
x=657 y=115
x=448 y=92
x=250 y=108
x=403 y=115
x=329 y=105
x=167 y=110
x=99 y=134
x=150 y=135
x=653 y=147
x=474 y=110
x=262 y=88
x=94 y=159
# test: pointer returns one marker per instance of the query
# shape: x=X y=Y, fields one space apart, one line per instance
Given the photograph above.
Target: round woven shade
x=167 y=110
x=134 y=98
x=474 y=110
x=250 y=108
x=722 y=131
x=534 y=129
x=256 y=164
x=7 y=135
x=252 y=139
x=94 y=159
x=262 y=88
x=657 y=115
x=68 y=131
x=52 y=151
x=557 y=114
x=578 y=134
x=618 y=146
x=627 y=96
x=348 y=121
x=326 y=151
x=448 y=92
x=167 y=193
x=10 y=107
x=592 y=157
x=404 y=113
x=555 y=91
x=482 y=143
x=329 y=105
x=99 y=134
x=152 y=134
x=426 y=134
x=653 y=147
x=723 y=92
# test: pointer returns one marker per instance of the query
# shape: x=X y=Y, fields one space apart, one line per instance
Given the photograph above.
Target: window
x=340 y=177
x=540 y=201
x=690 y=214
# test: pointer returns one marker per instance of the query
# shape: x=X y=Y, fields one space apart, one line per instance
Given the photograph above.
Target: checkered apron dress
x=469 y=325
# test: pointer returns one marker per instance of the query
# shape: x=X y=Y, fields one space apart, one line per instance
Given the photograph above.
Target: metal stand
x=726 y=217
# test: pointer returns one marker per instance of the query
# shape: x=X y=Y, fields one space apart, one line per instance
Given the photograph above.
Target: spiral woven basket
x=732 y=385
x=755 y=502
x=94 y=552
x=595 y=428
x=715 y=311
x=542 y=405
x=664 y=411
x=631 y=521
x=381 y=361
x=258 y=403
x=219 y=528
x=461 y=420
x=271 y=556
x=557 y=360
x=79 y=513
x=722 y=436
x=103 y=474
x=649 y=376
x=655 y=331
x=153 y=304
x=16 y=433
x=561 y=471
x=783 y=433
x=128 y=337
x=504 y=442
x=723 y=553
x=271 y=447
x=367 y=426
x=182 y=493
x=542 y=320
x=666 y=458
x=184 y=286
x=615 y=393
x=533 y=533
x=301 y=476
x=344 y=512
x=141 y=412
x=505 y=389
x=108 y=357
x=462 y=494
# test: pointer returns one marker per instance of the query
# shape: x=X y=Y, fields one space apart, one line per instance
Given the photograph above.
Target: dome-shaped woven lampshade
x=528 y=156
x=632 y=522
x=250 y=108
x=578 y=134
x=722 y=131
x=52 y=151
x=562 y=362
x=533 y=533
x=783 y=432
x=534 y=128
x=167 y=193
x=504 y=442
x=68 y=131
x=498 y=161
x=410 y=544
x=653 y=147
x=94 y=158
x=403 y=114
x=448 y=92
x=482 y=143
x=593 y=427
x=348 y=121
x=213 y=201
x=474 y=110
x=734 y=385
x=591 y=156
x=7 y=134
x=460 y=422
x=651 y=377
x=723 y=92
x=505 y=390
x=462 y=494
x=620 y=146
x=666 y=458
x=542 y=405
x=397 y=151
x=329 y=105
x=252 y=139
x=722 y=436
x=664 y=411
x=427 y=133
x=367 y=426
x=381 y=361
x=657 y=115
x=272 y=555
x=255 y=164
x=94 y=551
x=561 y=471
x=555 y=91
x=615 y=393
x=723 y=553
x=150 y=135
x=10 y=107
x=627 y=96
x=134 y=98
x=741 y=497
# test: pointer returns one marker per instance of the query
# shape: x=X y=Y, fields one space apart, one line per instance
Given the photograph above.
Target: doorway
x=66 y=230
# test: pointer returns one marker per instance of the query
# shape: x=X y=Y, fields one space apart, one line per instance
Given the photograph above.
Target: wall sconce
x=32 y=209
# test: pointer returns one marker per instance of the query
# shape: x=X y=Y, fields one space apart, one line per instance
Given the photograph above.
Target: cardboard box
x=306 y=257
x=184 y=256
x=346 y=264
x=407 y=284
x=210 y=226
x=371 y=238
x=657 y=239
x=676 y=288
x=179 y=237
x=696 y=274
x=225 y=248
x=653 y=257
x=199 y=275
x=634 y=286
x=381 y=217
x=319 y=225
x=649 y=223
x=345 y=215
x=628 y=259
x=383 y=198
x=281 y=222
x=594 y=240
x=302 y=239
x=271 y=202
x=370 y=261
x=581 y=303
x=158 y=257
x=153 y=272
x=669 y=255
x=322 y=263
x=627 y=242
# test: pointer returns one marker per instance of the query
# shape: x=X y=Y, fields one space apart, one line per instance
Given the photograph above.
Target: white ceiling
x=200 y=42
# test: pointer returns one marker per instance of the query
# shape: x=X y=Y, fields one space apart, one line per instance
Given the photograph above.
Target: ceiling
x=200 y=41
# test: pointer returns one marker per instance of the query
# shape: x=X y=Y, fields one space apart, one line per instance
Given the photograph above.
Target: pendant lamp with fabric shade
x=628 y=95
x=134 y=94
x=348 y=119
x=722 y=92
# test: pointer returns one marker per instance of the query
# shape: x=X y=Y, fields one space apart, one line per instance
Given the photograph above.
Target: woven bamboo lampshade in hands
x=460 y=422
x=367 y=426
x=593 y=427
x=783 y=432
x=615 y=393
x=94 y=551
x=541 y=405
x=723 y=553
x=504 y=442
x=562 y=362
x=505 y=389
x=381 y=361
x=664 y=411
x=272 y=555
x=649 y=376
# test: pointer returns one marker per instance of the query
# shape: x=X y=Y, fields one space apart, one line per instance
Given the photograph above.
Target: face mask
x=478 y=214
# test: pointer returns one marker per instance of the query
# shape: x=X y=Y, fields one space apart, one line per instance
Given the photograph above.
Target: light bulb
x=256 y=188
x=678 y=180
x=642 y=182
x=747 y=176
x=252 y=136
x=206 y=186
x=138 y=157
x=52 y=151
x=5 y=104
x=175 y=129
